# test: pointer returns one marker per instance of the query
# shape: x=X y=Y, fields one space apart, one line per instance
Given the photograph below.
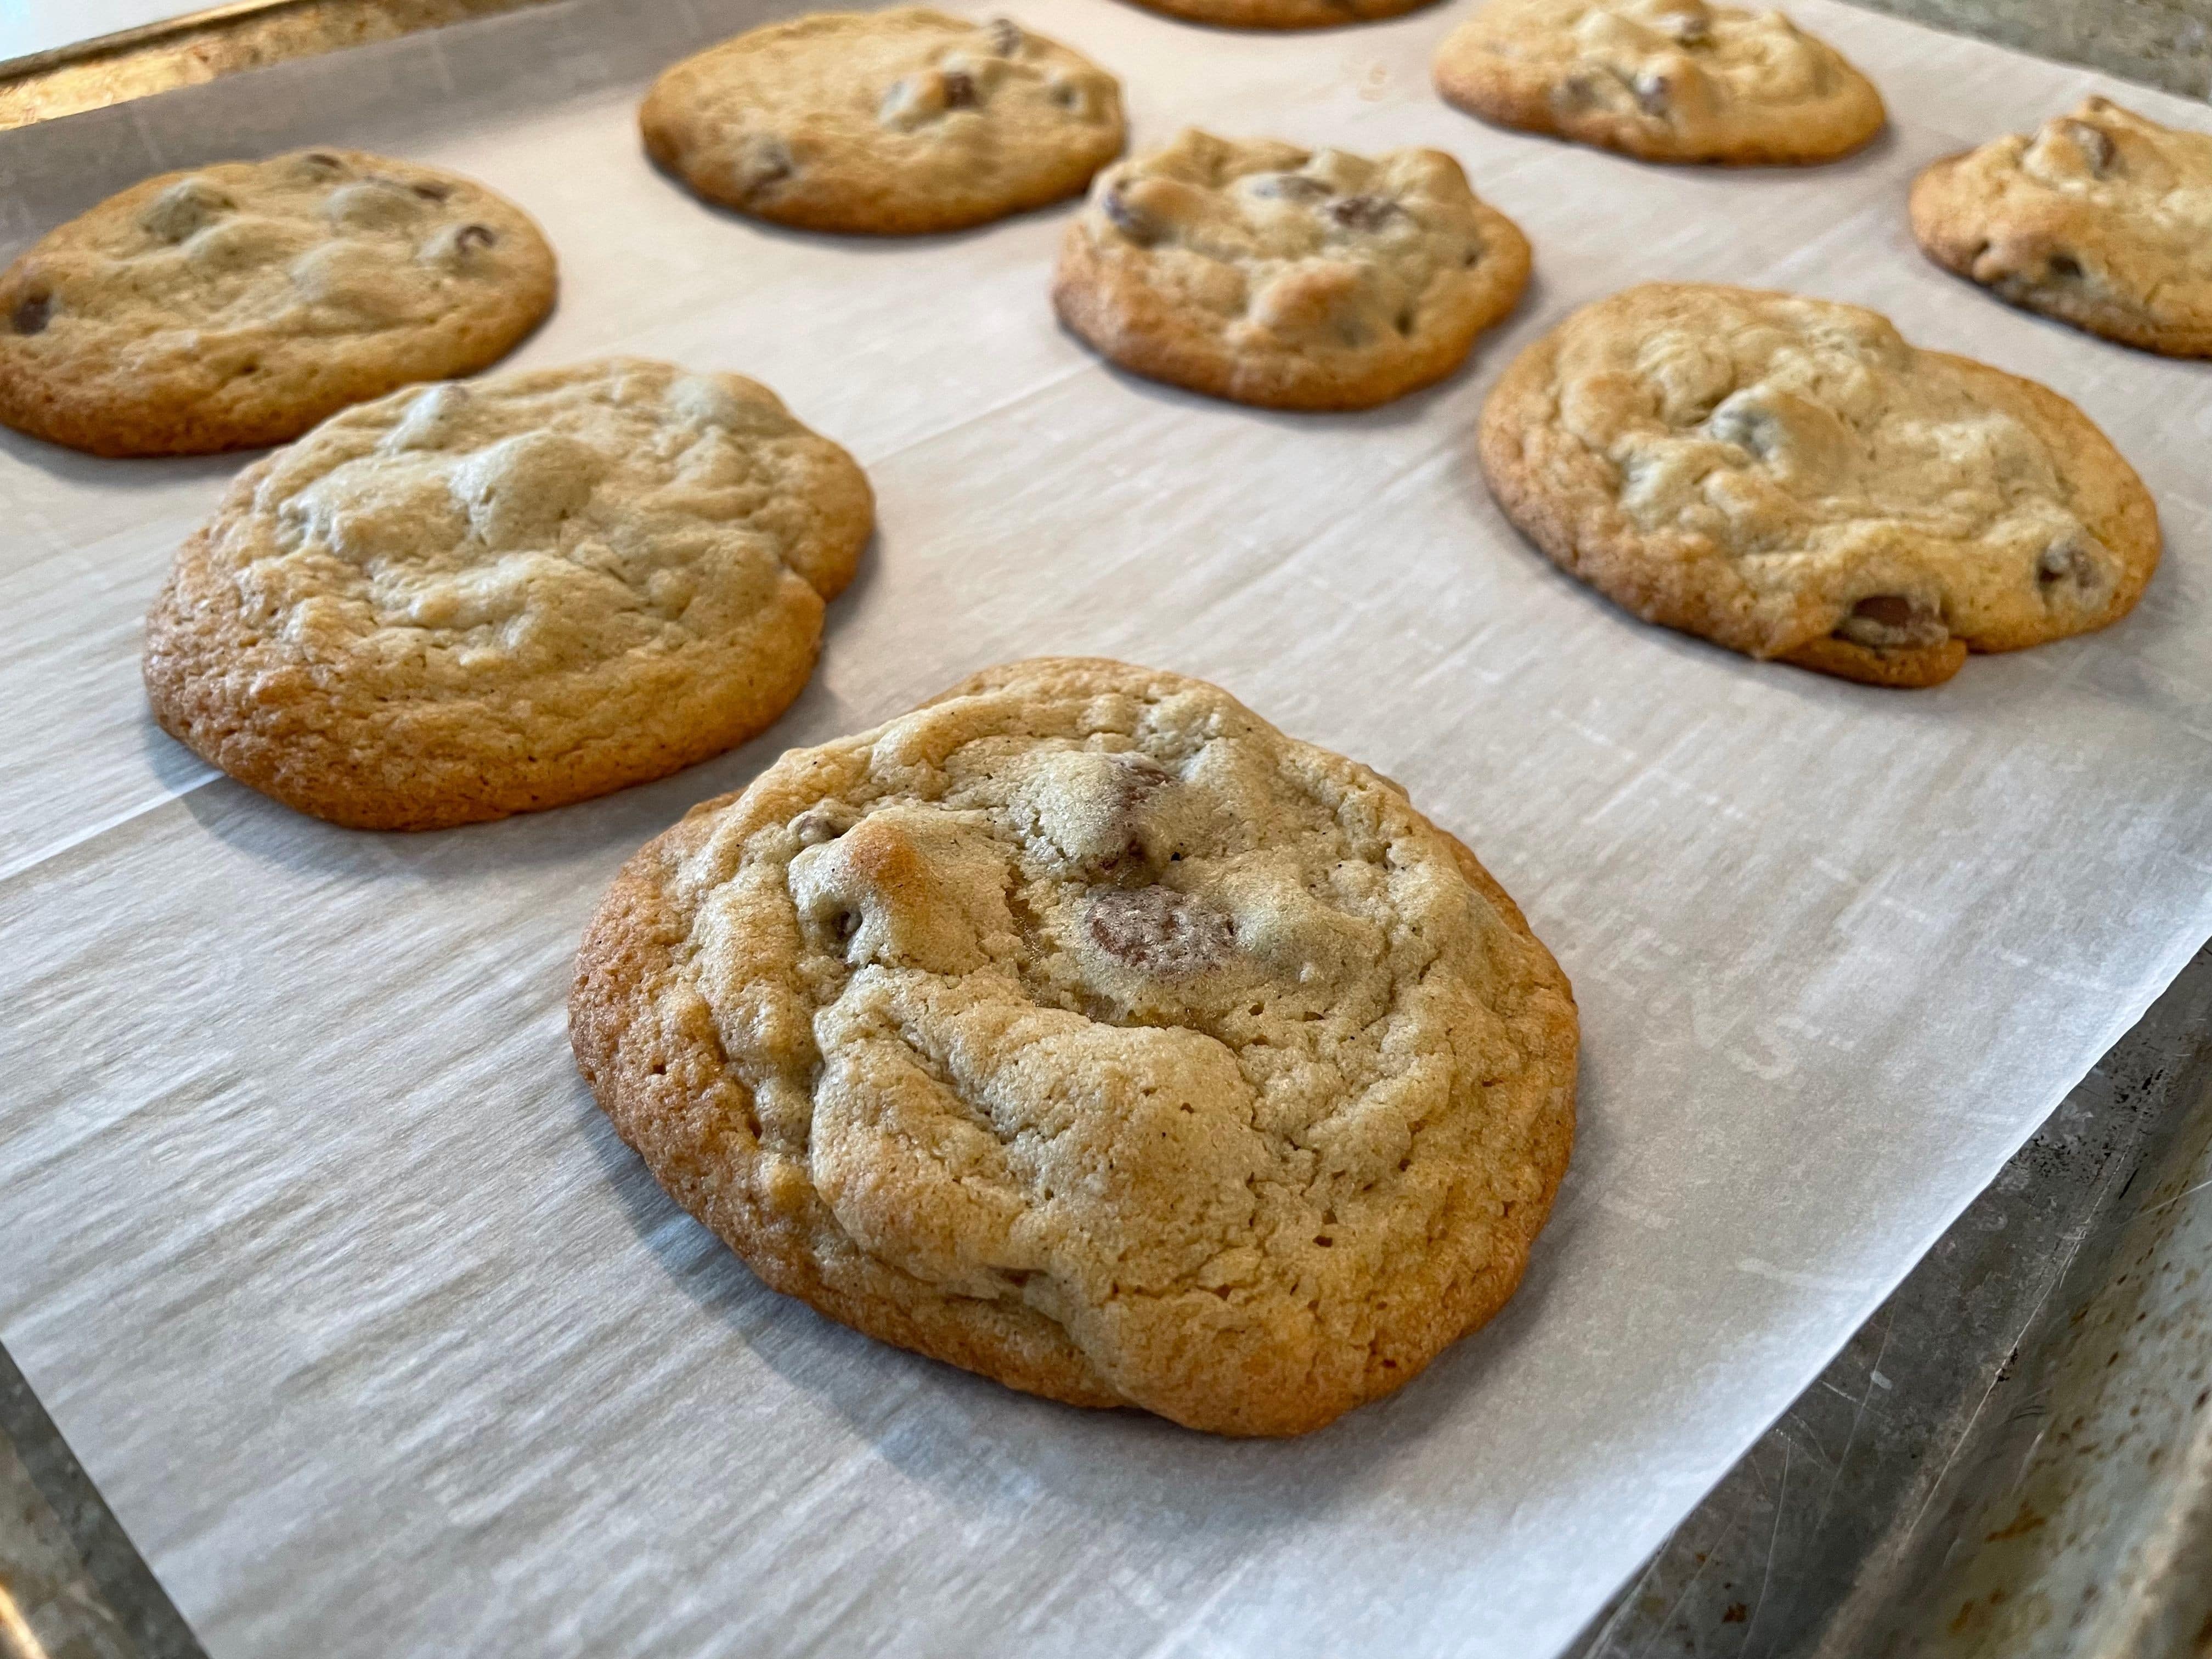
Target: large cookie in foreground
x=238 y=305
x=885 y=122
x=1290 y=278
x=468 y=600
x=2101 y=218
x=1790 y=478
x=1080 y=1029
x=1660 y=80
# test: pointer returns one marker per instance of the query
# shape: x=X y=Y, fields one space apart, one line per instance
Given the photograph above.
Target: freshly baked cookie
x=1080 y=1029
x=1290 y=278
x=1661 y=80
x=1788 y=478
x=238 y=305
x=469 y=600
x=2101 y=219
x=1283 y=14
x=884 y=122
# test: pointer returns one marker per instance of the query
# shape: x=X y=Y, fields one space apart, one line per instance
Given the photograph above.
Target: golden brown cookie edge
x=675 y=135
x=632 y=938
x=1480 y=83
x=1128 y=322
x=77 y=412
x=270 y=723
x=1604 y=557
x=1950 y=227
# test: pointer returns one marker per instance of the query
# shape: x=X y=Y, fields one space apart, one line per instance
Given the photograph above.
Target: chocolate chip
x=1886 y=610
x=323 y=159
x=1741 y=420
x=1140 y=777
x=959 y=89
x=1157 y=930
x=2096 y=145
x=2066 y=560
x=31 y=313
x=1290 y=186
x=473 y=236
x=2064 y=268
x=1006 y=36
x=1576 y=92
x=1126 y=218
x=432 y=192
x=1888 y=622
x=823 y=821
x=1652 y=94
x=767 y=161
x=1361 y=212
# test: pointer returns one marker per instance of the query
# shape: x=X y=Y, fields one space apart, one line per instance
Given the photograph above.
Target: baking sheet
x=380 y=1343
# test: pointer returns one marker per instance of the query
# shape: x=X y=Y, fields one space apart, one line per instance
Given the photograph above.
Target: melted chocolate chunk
x=1886 y=610
x=1361 y=212
x=32 y=313
x=768 y=163
x=1157 y=930
x=2066 y=560
x=1126 y=218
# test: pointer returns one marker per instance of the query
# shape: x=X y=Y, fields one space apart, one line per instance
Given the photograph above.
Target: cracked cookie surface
x=466 y=600
x=238 y=305
x=1660 y=80
x=1080 y=1029
x=1788 y=477
x=891 y=122
x=2100 y=218
x=1266 y=274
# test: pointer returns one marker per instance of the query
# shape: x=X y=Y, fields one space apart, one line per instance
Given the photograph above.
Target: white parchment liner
x=381 y=1344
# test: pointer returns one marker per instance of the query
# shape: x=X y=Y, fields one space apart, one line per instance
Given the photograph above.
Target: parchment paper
x=381 y=1344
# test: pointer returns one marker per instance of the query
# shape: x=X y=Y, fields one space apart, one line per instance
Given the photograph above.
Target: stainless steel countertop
x=2013 y=1458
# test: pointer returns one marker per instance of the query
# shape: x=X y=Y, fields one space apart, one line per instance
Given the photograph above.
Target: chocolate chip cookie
x=1080 y=1029
x=1788 y=478
x=1660 y=80
x=884 y=122
x=1285 y=277
x=2100 y=218
x=238 y=305
x=468 y=600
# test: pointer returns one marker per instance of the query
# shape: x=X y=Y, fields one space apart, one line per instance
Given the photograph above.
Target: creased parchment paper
x=381 y=1344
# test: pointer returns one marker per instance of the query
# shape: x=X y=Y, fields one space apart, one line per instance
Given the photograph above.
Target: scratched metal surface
x=2160 y=43
x=2012 y=1459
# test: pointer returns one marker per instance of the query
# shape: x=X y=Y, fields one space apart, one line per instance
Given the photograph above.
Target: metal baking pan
x=1973 y=1474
